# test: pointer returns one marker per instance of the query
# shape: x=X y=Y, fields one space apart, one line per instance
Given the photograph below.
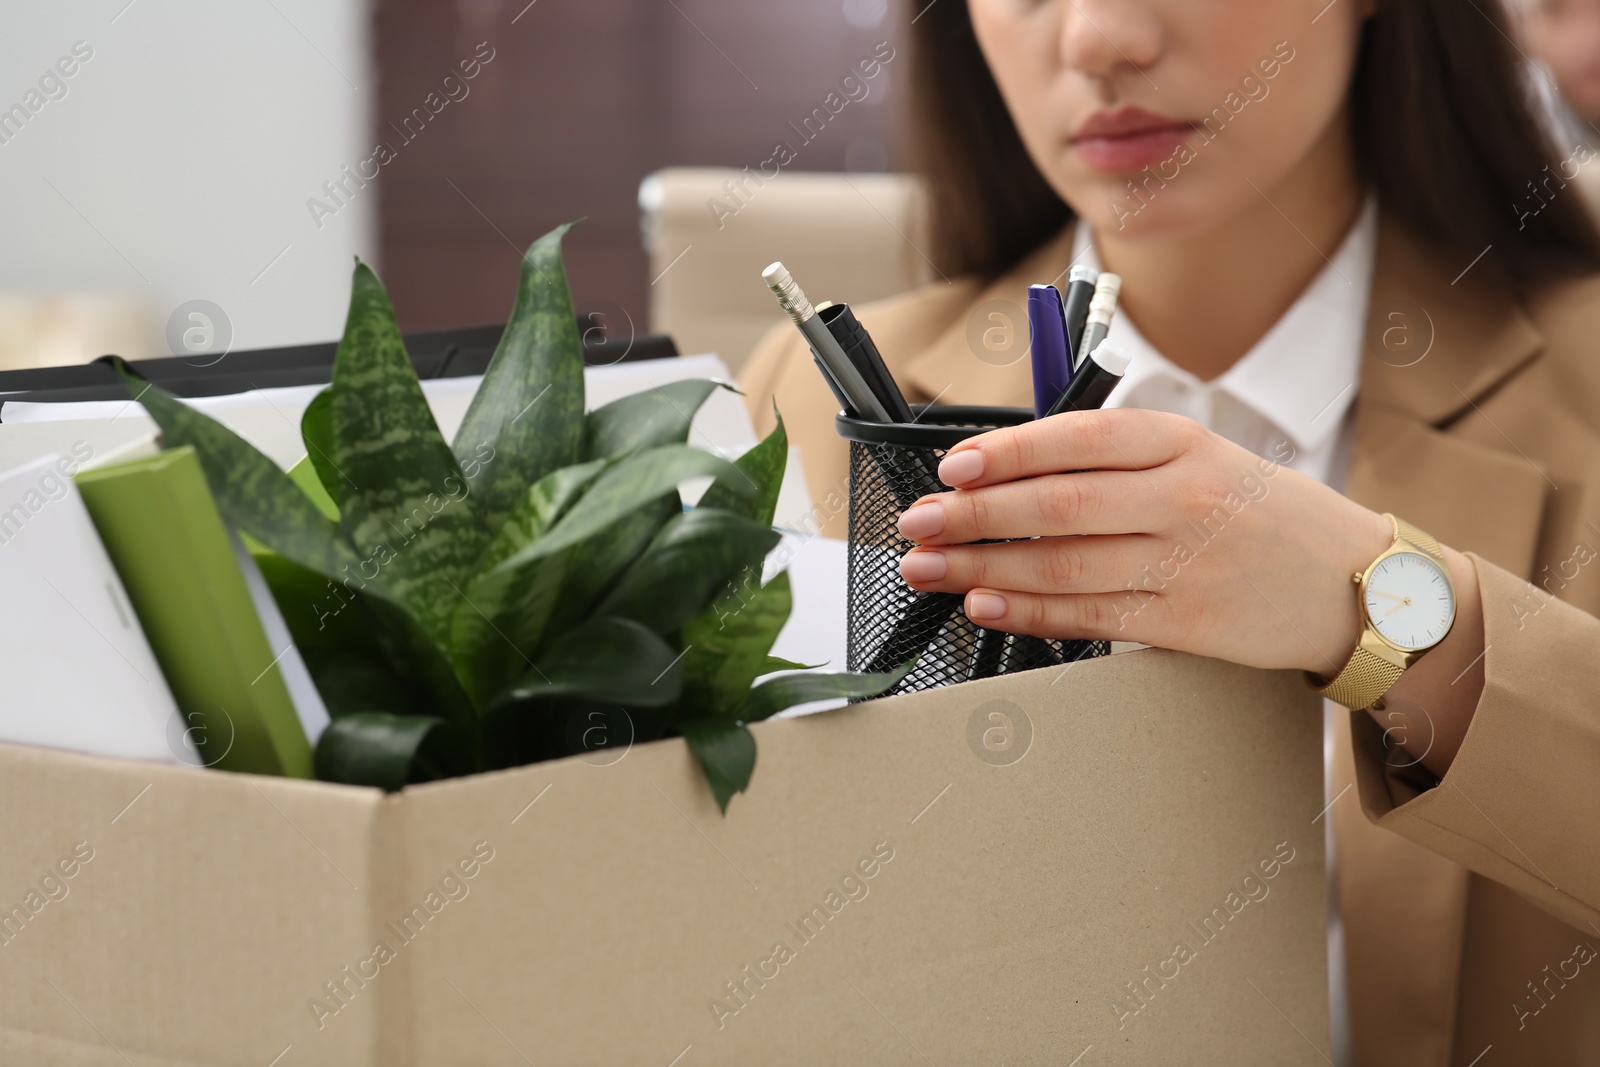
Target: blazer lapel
x=1435 y=349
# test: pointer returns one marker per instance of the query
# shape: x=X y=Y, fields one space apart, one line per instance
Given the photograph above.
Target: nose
x=1108 y=40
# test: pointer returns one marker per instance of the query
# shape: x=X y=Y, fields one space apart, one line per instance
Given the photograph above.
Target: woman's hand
x=1146 y=527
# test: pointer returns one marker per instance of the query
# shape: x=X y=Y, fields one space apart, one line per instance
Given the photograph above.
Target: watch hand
x=1380 y=592
x=1394 y=609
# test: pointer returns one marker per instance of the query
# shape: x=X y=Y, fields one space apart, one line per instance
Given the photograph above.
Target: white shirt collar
x=1302 y=375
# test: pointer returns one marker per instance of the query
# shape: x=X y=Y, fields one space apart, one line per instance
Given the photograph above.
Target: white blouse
x=1297 y=384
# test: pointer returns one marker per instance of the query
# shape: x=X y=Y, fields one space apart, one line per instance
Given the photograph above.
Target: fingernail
x=923 y=566
x=962 y=467
x=922 y=521
x=986 y=606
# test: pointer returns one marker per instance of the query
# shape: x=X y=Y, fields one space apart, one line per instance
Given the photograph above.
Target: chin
x=1186 y=207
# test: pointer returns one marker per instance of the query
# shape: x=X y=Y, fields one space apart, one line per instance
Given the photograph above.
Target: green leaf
x=351 y=685
x=529 y=409
x=552 y=583
x=778 y=663
x=729 y=645
x=544 y=502
x=325 y=618
x=517 y=734
x=679 y=573
x=610 y=660
x=251 y=492
x=785 y=691
x=660 y=416
x=619 y=491
x=593 y=564
x=505 y=614
x=752 y=491
x=305 y=476
x=420 y=660
x=405 y=505
x=316 y=430
x=502 y=621
x=333 y=621
x=373 y=748
x=726 y=753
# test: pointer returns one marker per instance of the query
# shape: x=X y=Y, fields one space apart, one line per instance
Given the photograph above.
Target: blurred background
x=227 y=161
x=190 y=178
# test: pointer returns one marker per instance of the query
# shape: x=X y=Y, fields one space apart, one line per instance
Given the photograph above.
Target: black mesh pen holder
x=892 y=465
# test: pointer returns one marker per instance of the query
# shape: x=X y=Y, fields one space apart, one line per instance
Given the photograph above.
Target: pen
x=1024 y=653
x=986 y=656
x=1094 y=381
x=1102 y=306
x=915 y=630
x=863 y=354
x=1052 y=367
x=833 y=386
x=911 y=473
x=1075 y=312
x=843 y=377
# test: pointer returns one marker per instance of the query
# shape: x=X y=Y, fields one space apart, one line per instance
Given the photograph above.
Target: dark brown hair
x=1445 y=127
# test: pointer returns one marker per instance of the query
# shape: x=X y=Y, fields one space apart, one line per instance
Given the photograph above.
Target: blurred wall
x=582 y=100
x=175 y=165
x=239 y=154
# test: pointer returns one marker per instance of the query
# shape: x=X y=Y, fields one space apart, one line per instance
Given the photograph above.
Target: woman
x=1346 y=247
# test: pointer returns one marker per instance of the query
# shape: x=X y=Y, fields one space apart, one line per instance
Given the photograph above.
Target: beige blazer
x=1471 y=906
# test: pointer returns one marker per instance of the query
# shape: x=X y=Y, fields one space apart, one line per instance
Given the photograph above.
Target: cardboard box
x=1119 y=863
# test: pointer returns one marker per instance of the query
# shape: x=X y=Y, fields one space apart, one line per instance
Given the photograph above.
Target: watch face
x=1409 y=600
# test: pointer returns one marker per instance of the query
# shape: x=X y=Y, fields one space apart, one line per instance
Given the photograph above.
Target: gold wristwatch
x=1407 y=604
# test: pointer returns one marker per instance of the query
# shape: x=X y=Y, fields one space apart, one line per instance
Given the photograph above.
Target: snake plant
x=528 y=591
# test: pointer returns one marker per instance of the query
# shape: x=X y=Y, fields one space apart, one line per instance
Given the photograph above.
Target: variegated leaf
x=684 y=568
x=729 y=645
x=660 y=415
x=252 y=493
x=406 y=504
x=529 y=409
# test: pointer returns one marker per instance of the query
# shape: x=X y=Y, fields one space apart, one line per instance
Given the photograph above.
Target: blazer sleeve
x=1521 y=801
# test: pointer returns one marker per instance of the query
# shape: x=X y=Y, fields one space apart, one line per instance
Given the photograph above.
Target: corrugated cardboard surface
x=1037 y=870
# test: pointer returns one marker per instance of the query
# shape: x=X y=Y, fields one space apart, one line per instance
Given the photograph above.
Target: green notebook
x=162 y=530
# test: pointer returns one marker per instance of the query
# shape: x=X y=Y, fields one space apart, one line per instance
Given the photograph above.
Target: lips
x=1129 y=139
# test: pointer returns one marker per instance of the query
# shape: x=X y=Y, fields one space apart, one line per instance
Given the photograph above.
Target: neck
x=1204 y=301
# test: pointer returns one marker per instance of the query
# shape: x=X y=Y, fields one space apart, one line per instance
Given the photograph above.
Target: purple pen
x=1052 y=368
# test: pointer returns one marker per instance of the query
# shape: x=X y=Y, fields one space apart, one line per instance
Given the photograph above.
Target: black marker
x=987 y=654
x=914 y=631
x=863 y=352
x=911 y=473
x=1094 y=381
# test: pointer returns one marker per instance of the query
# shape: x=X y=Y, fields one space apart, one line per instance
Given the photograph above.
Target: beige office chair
x=710 y=232
x=58 y=329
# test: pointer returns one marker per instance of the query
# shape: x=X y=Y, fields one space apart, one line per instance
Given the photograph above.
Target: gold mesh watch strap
x=1368 y=675
x=1408 y=532
x=1363 y=681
